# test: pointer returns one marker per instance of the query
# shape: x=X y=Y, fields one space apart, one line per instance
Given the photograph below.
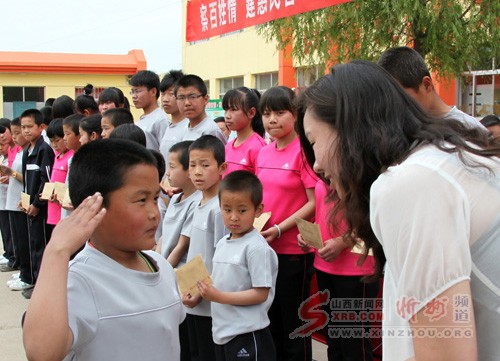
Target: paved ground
x=13 y=305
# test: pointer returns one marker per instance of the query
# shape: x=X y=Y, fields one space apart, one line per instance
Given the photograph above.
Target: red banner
x=207 y=18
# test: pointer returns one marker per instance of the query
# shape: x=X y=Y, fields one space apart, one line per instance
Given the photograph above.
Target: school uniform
x=239 y=265
x=206 y=231
x=18 y=221
x=37 y=167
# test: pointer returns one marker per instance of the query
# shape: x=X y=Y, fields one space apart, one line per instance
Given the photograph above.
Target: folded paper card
x=310 y=232
x=48 y=189
x=60 y=190
x=25 y=200
x=261 y=221
x=67 y=200
x=359 y=248
x=189 y=274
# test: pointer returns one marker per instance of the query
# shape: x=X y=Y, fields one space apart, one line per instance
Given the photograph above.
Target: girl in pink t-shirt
x=288 y=184
x=242 y=116
x=337 y=271
x=60 y=168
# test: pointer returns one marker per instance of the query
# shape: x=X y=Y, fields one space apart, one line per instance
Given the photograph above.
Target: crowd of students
x=174 y=183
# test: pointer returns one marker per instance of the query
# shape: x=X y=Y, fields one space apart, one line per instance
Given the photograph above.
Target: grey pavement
x=12 y=307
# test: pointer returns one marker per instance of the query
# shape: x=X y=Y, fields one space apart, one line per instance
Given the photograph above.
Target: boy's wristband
x=279 y=230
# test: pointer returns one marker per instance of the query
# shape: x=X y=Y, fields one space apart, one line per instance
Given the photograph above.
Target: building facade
x=27 y=79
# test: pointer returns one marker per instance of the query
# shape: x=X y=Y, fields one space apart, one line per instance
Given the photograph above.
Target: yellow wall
x=65 y=84
x=239 y=54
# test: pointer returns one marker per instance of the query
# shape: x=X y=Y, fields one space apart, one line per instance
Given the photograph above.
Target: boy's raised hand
x=72 y=232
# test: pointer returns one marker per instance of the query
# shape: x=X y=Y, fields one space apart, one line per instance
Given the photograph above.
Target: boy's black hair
x=2 y=129
x=170 y=79
x=91 y=124
x=33 y=114
x=47 y=114
x=16 y=122
x=74 y=122
x=5 y=122
x=209 y=142
x=191 y=80
x=101 y=165
x=406 y=65
x=110 y=95
x=119 y=116
x=182 y=148
x=146 y=78
x=160 y=163
x=220 y=120
x=278 y=98
x=131 y=132
x=49 y=102
x=242 y=181
x=55 y=128
x=62 y=107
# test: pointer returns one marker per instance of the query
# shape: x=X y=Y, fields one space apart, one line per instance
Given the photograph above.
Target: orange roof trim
x=28 y=62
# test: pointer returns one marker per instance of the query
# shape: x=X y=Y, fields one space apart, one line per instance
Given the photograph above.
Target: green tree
x=453 y=36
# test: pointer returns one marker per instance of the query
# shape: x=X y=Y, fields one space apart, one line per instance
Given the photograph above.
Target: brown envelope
x=359 y=248
x=48 y=189
x=189 y=274
x=261 y=221
x=25 y=200
x=60 y=190
x=310 y=232
x=67 y=200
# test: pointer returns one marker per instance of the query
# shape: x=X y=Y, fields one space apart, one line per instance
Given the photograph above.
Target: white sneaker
x=15 y=276
x=19 y=285
x=3 y=261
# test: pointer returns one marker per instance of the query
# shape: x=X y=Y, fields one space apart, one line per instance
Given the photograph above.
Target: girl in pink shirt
x=60 y=168
x=242 y=115
x=337 y=271
x=288 y=194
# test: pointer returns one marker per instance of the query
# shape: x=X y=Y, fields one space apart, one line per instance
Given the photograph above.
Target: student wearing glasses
x=192 y=98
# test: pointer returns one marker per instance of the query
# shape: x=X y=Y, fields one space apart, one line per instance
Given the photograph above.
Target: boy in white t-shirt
x=244 y=275
x=206 y=167
x=115 y=302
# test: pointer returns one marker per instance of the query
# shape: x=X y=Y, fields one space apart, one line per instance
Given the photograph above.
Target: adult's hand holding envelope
x=310 y=232
x=188 y=275
x=48 y=189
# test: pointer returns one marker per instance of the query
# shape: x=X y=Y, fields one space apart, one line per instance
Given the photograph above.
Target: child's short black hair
x=74 y=122
x=131 y=132
x=146 y=78
x=242 y=181
x=182 y=148
x=119 y=116
x=101 y=165
x=109 y=95
x=170 y=79
x=47 y=114
x=16 y=122
x=160 y=163
x=55 y=128
x=33 y=114
x=62 y=107
x=191 y=80
x=5 y=122
x=278 y=98
x=406 y=65
x=91 y=124
x=209 y=142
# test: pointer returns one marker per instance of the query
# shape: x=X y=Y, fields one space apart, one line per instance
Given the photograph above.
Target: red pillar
x=286 y=71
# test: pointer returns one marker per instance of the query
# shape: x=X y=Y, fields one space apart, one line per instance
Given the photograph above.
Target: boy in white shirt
x=115 y=302
x=244 y=275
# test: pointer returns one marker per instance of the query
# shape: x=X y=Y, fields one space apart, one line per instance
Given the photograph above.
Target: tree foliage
x=453 y=36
